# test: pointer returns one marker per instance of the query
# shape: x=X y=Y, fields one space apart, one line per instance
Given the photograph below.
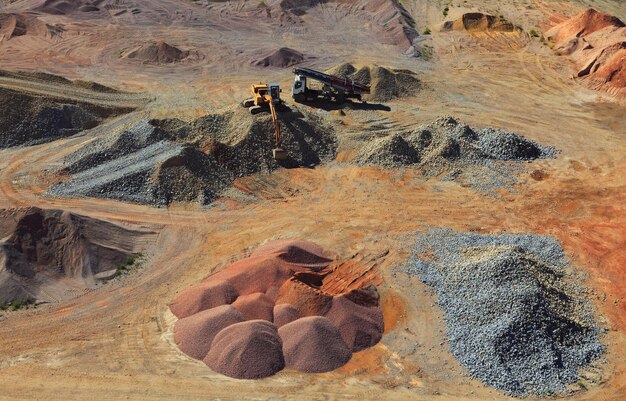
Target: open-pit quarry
x=455 y=232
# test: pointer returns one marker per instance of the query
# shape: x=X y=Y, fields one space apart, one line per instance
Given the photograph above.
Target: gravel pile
x=158 y=162
x=30 y=120
x=515 y=315
x=385 y=84
x=481 y=158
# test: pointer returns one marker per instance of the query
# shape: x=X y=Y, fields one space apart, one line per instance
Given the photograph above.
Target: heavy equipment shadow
x=330 y=105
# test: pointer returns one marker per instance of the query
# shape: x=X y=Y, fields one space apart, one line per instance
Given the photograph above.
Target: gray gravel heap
x=27 y=120
x=515 y=315
x=157 y=162
x=481 y=158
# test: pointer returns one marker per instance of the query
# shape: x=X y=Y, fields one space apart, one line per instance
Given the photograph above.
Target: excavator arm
x=269 y=100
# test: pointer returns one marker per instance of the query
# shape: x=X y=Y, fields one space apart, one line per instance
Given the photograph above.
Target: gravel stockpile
x=194 y=334
x=158 y=162
x=391 y=151
x=30 y=120
x=385 y=84
x=516 y=317
x=313 y=345
x=230 y=320
x=481 y=158
x=247 y=350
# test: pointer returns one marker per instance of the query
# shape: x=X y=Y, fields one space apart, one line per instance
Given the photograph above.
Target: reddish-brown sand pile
x=278 y=285
x=596 y=42
x=360 y=326
x=158 y=53
x=478 y=22
x=195 y=333
x=255 y=306
x=280 y=58
x=203 y=296
x=247 y=350
x=285 y=313
x=312 y=344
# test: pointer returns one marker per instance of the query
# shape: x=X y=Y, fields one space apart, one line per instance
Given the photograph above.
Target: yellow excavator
x=267 y=96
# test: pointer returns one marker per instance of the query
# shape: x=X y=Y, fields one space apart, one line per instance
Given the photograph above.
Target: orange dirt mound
x=257 y=306
x=280 y=58
x=583 y=24
x=279 y=285
x=313 y=345
x=203 y=296
x=308 y=300
x=596 y=42
x=247 y=350
x=158 y=53
x=360 y=326
x=194 y=334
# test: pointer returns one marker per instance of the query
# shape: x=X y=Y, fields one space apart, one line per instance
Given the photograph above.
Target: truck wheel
x=340 y=98
x=248 y=103
x=300 y=98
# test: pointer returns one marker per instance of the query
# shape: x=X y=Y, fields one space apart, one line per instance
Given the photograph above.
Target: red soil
x=597 y=44
x=583 y=24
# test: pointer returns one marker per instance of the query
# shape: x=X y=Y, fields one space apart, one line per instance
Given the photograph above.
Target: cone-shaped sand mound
x=280 y=58
x=195 y=333
x=231 y=319
x=360 y=326
x=312 y=344
x=247 y=350
x=158 y=53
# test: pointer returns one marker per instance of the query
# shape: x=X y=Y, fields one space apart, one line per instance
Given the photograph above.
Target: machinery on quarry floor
x=264 y=97
x=333 y=87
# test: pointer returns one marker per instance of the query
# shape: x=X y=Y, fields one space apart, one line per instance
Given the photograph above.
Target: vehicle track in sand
x=69 y=92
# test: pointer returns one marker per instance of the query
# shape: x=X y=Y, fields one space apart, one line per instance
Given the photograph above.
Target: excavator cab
x=266 y=96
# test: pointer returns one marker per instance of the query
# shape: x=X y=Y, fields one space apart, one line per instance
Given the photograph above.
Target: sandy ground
x=115 y=343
